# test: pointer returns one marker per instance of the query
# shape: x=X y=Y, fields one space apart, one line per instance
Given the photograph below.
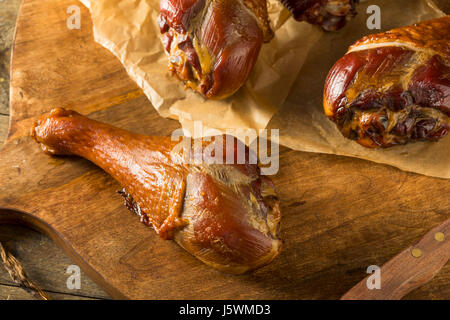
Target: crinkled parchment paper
x=284 y=88
x=303 y=125
x=129 y=29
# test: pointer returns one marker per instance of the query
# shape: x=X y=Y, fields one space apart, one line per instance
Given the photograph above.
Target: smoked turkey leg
x=226 y=215
x=393 y=88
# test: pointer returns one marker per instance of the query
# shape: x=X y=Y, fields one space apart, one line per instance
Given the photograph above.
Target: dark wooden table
x=44 y=262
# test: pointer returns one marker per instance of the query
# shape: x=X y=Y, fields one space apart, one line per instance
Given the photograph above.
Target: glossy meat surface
x=226 y=215
x=213 y=44
x=331 y=15
x=393 y=88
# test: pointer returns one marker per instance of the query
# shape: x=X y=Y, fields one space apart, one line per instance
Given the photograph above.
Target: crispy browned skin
x=225 y=215
x=331 y=15
x=394 y=87
x=213 y=44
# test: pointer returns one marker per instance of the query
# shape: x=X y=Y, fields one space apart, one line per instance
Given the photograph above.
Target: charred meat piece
x=394 y=87
x=226 y=215
x=331 y=15
x=213 y=44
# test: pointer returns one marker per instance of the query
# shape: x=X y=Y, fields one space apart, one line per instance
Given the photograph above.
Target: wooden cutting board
x=340 y=215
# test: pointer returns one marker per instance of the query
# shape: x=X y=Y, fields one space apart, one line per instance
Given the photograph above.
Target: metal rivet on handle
x=439 y=236
x=416 y=253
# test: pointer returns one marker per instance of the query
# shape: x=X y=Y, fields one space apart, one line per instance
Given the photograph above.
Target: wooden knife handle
x=410 y=269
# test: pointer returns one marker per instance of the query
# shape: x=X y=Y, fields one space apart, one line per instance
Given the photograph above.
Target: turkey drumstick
x=393 y=88
x=213 y=44
x=226 y=215
x=331 y=15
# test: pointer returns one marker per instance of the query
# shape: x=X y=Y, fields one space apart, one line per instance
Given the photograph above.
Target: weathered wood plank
x=8 y=14
x=14 y=293
x=44 y=262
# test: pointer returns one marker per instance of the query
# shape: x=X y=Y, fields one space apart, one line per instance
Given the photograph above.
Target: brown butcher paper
x=285 y=88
